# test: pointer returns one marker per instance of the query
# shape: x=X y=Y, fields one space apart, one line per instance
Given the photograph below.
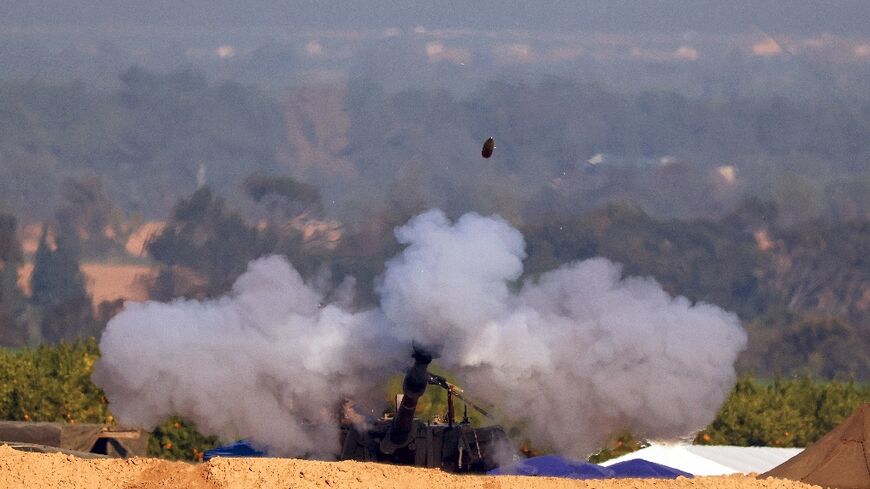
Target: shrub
x=53 y=383
x=783 y=413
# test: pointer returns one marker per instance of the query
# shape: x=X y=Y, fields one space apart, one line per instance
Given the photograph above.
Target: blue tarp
x=241 y=448
x=641 y=468
x=555 y=466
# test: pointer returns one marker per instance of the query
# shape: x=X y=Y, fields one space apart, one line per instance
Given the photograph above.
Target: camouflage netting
x=94 y=438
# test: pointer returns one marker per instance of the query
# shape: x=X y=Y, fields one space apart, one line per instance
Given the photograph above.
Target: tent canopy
x=82 y=437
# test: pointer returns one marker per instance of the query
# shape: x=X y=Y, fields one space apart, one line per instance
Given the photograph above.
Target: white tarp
x=711 y=459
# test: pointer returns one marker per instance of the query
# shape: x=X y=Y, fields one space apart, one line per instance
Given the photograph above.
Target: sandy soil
x=104 y=281
x=19 y=470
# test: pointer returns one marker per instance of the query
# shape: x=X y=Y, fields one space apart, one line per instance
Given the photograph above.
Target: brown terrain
x=20 y=470
x=105 y=281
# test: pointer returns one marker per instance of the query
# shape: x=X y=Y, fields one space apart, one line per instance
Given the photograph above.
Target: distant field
x=105 y=281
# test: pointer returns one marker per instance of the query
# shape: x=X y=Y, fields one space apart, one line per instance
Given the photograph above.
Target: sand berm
x=59 y=471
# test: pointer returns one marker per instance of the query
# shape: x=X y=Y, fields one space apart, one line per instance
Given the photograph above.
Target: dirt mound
x=44 y=470
x=20 y=470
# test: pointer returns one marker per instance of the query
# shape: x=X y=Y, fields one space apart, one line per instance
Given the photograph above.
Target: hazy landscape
x=150 y=151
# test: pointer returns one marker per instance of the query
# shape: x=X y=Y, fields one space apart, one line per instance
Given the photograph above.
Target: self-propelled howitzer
x=404 y=439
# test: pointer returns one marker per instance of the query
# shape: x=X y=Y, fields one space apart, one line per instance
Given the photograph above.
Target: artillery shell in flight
x=488 y=146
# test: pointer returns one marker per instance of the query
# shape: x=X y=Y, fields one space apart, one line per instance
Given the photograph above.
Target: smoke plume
x=572 y=356
x=269 y=361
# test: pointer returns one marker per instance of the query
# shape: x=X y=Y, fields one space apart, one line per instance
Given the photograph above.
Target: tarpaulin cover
x=555 y=466
x=81 y=437
x=710 y=459
x=241 y=448
x=640 y=468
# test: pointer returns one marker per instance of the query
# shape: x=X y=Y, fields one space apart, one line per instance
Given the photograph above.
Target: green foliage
x=783 y=413
x=801 y=291
x=59 y=292
x=780 y=413
x=433 y=404
x=617 y=446
x=209 y=242
x=13 y=324
x=13 y=327
x=56 y=276
x=53 y=383
x=146 y=139
x=176 y=439
x=712 y=261
x=88 y=217
x=790 y=344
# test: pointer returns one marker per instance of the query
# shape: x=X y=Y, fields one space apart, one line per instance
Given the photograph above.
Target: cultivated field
x=104 y=281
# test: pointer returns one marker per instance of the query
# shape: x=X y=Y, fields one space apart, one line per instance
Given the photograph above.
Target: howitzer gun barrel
x=414 y=386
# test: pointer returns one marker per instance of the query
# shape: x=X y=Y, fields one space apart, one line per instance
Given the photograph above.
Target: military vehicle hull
x=455 y=447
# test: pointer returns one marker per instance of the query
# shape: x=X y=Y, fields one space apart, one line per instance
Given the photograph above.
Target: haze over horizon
x=801 y=17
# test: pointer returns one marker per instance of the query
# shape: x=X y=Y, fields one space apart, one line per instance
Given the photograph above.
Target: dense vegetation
x=156 y=137
x=802 y=291
x=782 y=413
x=52 y=383
x=759 y=205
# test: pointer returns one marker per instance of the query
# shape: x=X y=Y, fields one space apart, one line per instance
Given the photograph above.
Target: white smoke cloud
x=268 y=361
x=573 y=356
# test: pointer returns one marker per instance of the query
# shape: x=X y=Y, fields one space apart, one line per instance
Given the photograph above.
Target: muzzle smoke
x=573 y=356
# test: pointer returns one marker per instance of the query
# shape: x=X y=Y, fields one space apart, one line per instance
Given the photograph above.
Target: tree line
x=157 y=136
x=760 y=206
x=52 y=383
x=800 y=290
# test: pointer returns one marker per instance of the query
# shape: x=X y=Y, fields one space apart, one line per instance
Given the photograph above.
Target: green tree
x=203 y=248
x=13 y=327
x=783 y=413
x=53 y=383
x=794 y=344
x=712 y=261
x=177 y=439
x=88 y=217
x=58 y=290
x=618 y=445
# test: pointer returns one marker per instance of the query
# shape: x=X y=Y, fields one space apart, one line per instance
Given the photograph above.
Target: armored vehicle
x=404 y=439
